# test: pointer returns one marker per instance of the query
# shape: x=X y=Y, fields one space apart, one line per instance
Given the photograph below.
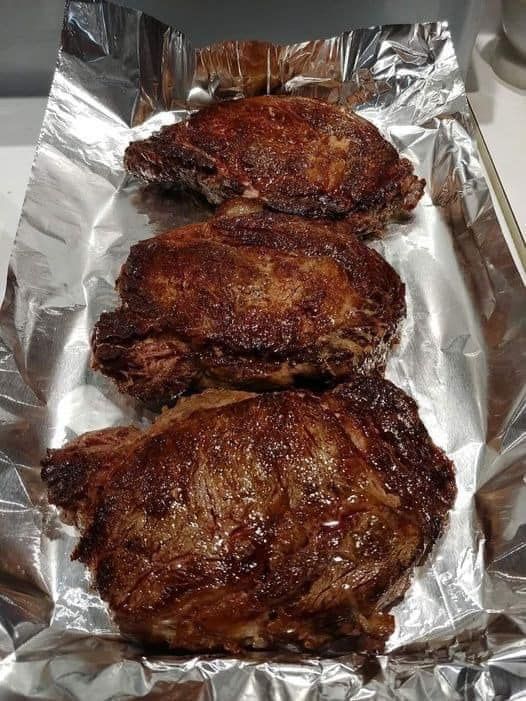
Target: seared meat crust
x=249 y=299
x=297 y=155
x=255 y=521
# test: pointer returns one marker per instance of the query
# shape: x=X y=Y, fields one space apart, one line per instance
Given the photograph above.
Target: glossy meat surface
x=240 y=521
x=249 y=299
x=298 y=155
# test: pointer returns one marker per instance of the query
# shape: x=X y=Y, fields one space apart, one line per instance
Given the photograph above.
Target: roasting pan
x=120 y=75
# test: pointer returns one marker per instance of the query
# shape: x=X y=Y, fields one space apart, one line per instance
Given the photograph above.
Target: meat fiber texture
x=243 y=521
x=297 y=155
x=249 y=299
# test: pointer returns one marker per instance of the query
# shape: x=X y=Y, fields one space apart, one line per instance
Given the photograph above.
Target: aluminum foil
x=120 y=75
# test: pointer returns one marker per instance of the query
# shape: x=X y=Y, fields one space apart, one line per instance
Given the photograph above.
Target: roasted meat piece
x=229 y=69
x=255 y=521
x=249 y=299
x=298 y=155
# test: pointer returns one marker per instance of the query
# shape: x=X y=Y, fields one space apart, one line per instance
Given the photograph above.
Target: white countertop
x=499 y=108
x=20 y=120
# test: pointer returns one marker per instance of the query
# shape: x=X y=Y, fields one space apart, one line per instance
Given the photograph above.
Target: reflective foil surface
x=460 y=629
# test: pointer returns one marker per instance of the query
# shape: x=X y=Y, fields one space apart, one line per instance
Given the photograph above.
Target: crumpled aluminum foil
x=460 y=630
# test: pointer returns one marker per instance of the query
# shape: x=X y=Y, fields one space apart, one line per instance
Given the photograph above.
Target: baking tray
x=121 y=75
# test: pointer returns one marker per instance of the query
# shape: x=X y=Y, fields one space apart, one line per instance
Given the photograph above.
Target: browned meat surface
x=250 y=299
x=298 y=155
x=232 y=68
x=255 y=521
